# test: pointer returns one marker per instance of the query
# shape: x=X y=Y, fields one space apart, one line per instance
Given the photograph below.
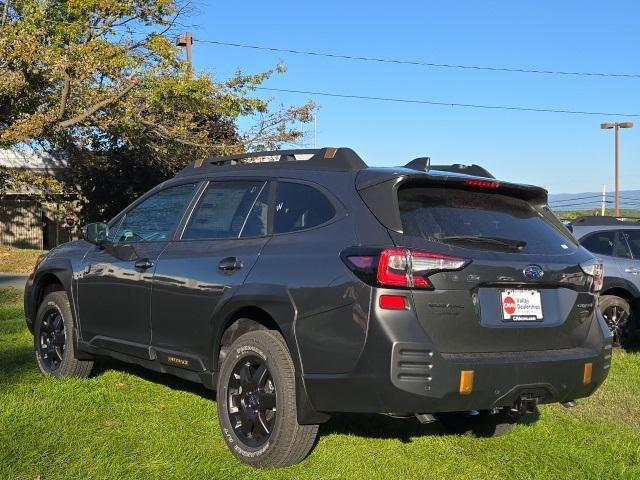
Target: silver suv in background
x=617 y=244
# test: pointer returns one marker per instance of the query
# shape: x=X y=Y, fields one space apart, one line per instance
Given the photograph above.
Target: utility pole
x=616 y=126
x=315 y=132
x=604 y=193
x=186 y=40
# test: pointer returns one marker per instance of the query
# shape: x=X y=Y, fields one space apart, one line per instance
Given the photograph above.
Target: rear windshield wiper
x=510 y=243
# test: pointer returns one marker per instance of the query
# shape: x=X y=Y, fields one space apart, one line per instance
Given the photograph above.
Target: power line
x=448 y=104
x=578 y=198
x=418 y=63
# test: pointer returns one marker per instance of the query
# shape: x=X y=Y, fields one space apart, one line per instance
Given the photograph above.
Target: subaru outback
x=299 y=284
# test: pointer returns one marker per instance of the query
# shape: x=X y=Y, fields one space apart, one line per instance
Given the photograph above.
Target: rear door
x=219 y=245
x=524 y=288
x=630 y=262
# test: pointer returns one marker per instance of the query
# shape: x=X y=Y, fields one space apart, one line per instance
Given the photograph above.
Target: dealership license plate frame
x=525 y=312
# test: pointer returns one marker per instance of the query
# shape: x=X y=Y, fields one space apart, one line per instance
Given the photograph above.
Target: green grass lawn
x=127 y=423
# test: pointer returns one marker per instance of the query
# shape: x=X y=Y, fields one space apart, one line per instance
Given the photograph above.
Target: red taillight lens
x=482 y=183
x=409 y=268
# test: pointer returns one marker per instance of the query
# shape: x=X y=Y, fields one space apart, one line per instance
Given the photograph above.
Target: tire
x=481 y=423
x=256 y=374
x=619 y=317
x=53 y=339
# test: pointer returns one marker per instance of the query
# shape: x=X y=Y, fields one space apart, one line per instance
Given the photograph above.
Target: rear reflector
x=586 y=374
x=482 y=183
x=393 y=302
x=466 y=382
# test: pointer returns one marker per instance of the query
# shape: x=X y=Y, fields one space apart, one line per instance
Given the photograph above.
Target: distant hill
x=629 y=199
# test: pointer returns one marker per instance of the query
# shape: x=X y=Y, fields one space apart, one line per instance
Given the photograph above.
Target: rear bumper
x=398 y=375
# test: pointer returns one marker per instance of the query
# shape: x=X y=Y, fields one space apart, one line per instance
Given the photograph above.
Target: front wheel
x=53 y=339
x=257 y=402
x=481 y=423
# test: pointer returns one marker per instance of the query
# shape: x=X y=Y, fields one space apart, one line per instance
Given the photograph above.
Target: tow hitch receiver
x=525 y=404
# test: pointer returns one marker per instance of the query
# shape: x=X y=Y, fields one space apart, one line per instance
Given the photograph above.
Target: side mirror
x=95 y=233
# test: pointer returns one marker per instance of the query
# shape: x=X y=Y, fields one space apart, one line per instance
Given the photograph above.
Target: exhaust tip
x=425 y=418
x=569 y=404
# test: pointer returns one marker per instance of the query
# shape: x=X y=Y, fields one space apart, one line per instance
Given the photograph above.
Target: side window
x=222 y=210
x=633 y=238
x=155 y=218
x=621 y=249
x=601 y=243
x=300 y=206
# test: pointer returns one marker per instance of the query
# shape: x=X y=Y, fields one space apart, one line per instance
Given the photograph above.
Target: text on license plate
x=521 y=305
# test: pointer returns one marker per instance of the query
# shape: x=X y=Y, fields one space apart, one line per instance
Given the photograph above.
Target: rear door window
x=222 y=210
x=300 y=206
x=476 y=219
x=633 y=239
x=601 y=243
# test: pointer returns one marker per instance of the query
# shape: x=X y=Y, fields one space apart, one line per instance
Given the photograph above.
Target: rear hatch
x=522 y=287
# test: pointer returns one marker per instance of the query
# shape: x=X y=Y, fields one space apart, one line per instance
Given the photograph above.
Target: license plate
x=521 y=305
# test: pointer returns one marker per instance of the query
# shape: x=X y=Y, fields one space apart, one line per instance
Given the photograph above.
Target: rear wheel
x=257 y=402
x=53 y=339
x=481 y=423
x=617 y=313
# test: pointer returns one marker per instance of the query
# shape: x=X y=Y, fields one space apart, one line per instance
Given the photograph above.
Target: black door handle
x=143 y=264
x=230 y=265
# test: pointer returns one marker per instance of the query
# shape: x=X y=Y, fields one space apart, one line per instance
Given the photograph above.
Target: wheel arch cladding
x=257 y=307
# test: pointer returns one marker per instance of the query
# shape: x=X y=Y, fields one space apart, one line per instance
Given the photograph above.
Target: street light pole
x=615 y=126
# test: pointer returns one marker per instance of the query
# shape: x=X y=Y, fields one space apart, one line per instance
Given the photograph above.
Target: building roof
x=36 y=161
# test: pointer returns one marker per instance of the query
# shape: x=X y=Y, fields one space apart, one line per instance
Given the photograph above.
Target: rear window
x=479 y=220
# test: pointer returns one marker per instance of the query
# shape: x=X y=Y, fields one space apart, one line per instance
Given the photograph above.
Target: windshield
x=475 y=219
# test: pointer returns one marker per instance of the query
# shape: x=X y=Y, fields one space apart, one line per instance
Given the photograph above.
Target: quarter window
x=155 y=218
x=222 y=210
x=300 y=206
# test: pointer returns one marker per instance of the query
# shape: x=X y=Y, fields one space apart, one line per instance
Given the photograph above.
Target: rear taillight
x=594 y=269
x=401 y=267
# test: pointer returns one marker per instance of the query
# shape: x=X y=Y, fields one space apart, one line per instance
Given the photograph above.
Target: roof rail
x=596 y=220
x=423 y=164
x=327 y=158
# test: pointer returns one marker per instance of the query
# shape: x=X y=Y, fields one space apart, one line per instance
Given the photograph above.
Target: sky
x=563 y=153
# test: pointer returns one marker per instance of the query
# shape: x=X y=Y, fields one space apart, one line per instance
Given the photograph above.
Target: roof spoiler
x=328 y=158
x=423 y=164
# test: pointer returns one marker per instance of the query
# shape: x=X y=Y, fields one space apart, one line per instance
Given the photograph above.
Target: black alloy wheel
x=617 y=318
x=52 y=339
x=251 y=397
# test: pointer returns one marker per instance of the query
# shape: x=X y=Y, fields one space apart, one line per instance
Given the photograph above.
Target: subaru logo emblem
x=533 y=272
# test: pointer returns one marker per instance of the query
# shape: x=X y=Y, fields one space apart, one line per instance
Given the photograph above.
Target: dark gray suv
x=302 y=283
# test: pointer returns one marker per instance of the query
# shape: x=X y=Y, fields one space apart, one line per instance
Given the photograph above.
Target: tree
x=100 y=82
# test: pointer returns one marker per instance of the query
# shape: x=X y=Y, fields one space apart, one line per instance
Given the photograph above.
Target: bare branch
x=5 y=13
x=64 y=95
x=88 y=113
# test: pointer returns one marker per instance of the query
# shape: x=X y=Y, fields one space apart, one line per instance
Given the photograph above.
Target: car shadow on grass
x=361 y=425
x=104 y=364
